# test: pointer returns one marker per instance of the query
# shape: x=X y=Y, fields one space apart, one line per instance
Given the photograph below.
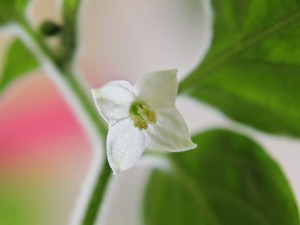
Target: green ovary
x=141 y=115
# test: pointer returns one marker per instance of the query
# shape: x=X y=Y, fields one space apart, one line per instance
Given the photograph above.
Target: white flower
x=141 y=116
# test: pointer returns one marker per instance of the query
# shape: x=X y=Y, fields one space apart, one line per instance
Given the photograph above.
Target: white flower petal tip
x=141 y=116
x=158 y=89
x=191 y=146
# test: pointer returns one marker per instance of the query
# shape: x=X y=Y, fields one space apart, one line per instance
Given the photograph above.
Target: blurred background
x=44 y=153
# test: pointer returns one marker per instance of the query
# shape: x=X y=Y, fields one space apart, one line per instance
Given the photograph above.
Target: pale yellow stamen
x=148 y=115
x=141 y=115
x=139 y=122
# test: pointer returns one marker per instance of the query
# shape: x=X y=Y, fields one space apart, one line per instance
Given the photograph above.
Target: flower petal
x=113 y=100
x=158 y=89
x=170 y=133
x=125 y=144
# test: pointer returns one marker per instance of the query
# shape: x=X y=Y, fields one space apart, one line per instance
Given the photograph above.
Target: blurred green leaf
x=70 y=11
x=18 y=62
x=11 y=10
x=23 y=200
x=252 y=70
x=17 y=206
x=228 y=180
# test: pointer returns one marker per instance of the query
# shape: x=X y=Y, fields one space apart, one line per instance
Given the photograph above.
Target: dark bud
x=49 y=28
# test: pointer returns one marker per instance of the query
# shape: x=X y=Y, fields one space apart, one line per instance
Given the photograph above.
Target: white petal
x=158 y=89
x=125 y=144
x=170 y=133
x=113 y=100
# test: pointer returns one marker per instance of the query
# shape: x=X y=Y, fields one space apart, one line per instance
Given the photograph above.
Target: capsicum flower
x=141 y=116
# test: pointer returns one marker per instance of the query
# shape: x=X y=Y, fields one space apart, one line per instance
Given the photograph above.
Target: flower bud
x=49 y=28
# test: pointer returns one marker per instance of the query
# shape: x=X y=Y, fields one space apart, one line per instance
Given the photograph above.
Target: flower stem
x=79 y=98
x=97 y=197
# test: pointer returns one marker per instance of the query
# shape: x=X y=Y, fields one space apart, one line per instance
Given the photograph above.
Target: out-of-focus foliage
x=19 y=205
x=227 y=180
x=252 y=70
x=18 y=62
x=11 y=10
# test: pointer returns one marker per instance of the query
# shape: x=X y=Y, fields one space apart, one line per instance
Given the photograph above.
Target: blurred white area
x=127 y=39
x=131 y=38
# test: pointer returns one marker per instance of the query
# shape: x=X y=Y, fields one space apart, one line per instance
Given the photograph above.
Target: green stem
x=85 y=102
x=36 y=39
x=97 y=197
x=66 y=77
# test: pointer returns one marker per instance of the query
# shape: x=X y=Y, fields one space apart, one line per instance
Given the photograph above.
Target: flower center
x=141 y=115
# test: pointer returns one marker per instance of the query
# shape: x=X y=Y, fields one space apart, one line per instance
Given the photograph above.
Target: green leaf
x=227 y=180
x=252 y=70
x=18 y=205
x=18 y=62
x=70 y=11
x=12 y=10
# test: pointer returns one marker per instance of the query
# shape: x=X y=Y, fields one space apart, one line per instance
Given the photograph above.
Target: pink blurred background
x=44 y=153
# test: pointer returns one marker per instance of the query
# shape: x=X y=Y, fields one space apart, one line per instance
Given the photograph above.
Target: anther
x=142 y=115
